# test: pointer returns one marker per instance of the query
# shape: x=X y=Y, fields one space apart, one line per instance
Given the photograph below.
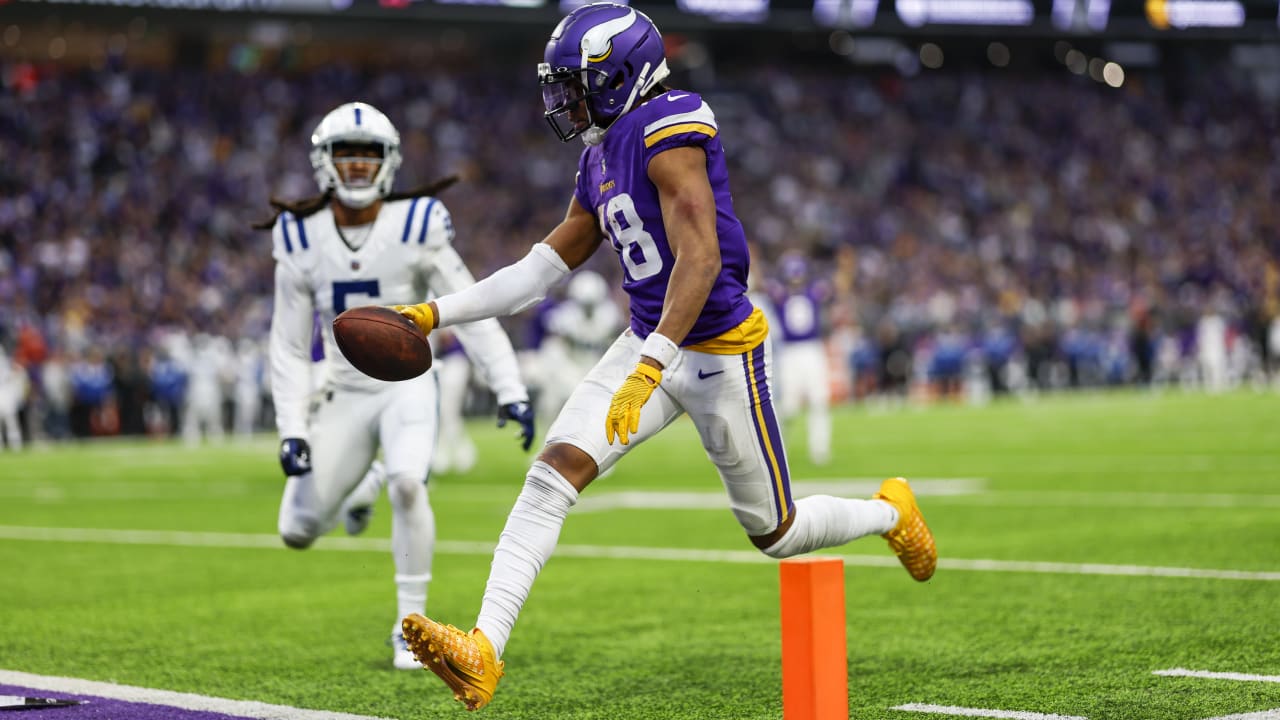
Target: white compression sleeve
x=526 y=543
x=508 y=291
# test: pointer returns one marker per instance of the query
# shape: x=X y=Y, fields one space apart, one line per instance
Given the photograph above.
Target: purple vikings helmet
x=794 y=269
x=605 y=56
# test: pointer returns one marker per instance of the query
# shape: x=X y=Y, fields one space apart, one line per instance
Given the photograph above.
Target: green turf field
x=1065 y=526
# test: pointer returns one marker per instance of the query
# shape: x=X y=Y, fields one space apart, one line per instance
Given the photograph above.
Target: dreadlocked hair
x=311 y=206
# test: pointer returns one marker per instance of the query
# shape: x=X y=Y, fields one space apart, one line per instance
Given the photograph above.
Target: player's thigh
x=730 y=400
x=344 y=439
x=581 y=422
x=409 y=427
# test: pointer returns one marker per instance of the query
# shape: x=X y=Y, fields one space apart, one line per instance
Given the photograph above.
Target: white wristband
x=660 y=348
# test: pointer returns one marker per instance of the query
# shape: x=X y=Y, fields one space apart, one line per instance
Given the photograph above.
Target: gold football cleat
x=910 y=539
x=466 y=663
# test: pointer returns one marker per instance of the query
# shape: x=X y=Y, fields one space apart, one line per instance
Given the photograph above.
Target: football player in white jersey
x=13 y=392
x=579 y=330
x=359 y=244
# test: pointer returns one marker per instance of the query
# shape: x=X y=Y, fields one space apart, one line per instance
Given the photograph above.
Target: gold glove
x=624 y=411
x=421 y=314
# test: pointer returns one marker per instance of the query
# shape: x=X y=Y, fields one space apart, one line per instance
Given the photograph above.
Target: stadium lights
x=931 y=56
x=965 y=12
x=568 y=6
x=998 y=54
x=1079 y=14
x=728 y=10
x=1113 y=74
x=845 y=13
x=1076 y=62
x=1164 y=14
x=502 y=3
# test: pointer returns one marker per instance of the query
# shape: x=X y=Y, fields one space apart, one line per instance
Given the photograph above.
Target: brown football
x=382 y=343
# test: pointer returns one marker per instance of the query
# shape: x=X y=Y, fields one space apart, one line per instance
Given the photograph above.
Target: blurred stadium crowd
x=982 y=232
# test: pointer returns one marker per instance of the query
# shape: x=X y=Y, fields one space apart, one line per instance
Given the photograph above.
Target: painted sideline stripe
x=187 y=701
x=180 y=538
x=983 y=713
x=1183 y=672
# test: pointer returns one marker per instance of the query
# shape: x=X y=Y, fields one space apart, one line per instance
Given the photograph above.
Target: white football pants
x=729 y=400
x=346 y=430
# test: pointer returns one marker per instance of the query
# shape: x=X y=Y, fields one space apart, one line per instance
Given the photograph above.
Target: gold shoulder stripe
x=666 y=132
x=748 y=334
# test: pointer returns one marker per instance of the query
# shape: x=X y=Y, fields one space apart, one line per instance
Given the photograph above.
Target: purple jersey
x=613 y=182
x=799 y=311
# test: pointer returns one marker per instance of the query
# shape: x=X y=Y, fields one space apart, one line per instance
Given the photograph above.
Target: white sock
x=411 y=596
x=823 y=521
x=413 y=540
x=532 y=529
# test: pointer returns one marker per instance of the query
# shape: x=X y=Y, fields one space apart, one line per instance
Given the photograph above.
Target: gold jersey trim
x=734 y=341
x=659 y=135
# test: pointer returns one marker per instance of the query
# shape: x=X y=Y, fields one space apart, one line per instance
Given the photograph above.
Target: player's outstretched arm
x=290 y=365
x=518 y=286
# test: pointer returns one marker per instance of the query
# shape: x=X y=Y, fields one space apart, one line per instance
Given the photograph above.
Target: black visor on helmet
x=566 y=93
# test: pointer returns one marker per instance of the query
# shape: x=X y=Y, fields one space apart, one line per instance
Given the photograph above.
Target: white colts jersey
x=407 y=257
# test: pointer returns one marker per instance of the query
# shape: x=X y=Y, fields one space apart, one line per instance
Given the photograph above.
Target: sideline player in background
x=358 y=244
x=653 y=173
x=13 y=395
x=579 y=329
x=799 y=302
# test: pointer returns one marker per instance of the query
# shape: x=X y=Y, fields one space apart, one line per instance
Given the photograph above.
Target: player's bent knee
x=573 y=464
x=781 y=543
x=299 y=531
x=297 y=542
x=404 y=490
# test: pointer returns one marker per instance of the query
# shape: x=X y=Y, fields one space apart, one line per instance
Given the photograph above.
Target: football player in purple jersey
x=800 y=301
x=652 y=183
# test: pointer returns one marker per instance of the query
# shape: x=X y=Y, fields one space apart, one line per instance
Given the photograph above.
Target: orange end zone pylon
x=815 y=674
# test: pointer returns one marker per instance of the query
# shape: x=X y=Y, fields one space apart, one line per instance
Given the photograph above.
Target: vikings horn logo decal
x=597 y=43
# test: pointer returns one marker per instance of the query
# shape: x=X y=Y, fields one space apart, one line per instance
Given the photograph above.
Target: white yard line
x=954 y=491
x=717 y=500
x=983 y=713
x=1243 y=677
x=187 y=701
x=1050 y=498
x=455 y=547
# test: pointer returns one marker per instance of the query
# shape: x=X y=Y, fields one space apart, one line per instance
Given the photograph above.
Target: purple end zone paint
x=100 y=708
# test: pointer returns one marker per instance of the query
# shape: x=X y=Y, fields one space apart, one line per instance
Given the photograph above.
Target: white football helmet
x=588 y=288
x=358 y=123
